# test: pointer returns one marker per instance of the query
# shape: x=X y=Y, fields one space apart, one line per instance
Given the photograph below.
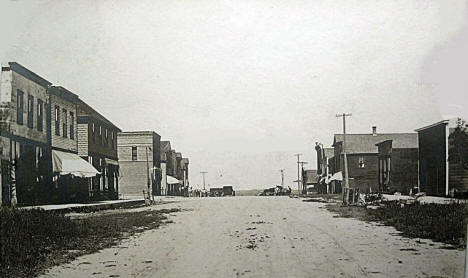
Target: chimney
x=374 y=131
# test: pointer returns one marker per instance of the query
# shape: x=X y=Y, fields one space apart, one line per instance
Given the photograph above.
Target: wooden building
x=325 y=159
x=398 y=164
x=38 y=142
x=165 y=163
x=362 y=154
x=24 y=142
x=140 y=162
x=443 y=158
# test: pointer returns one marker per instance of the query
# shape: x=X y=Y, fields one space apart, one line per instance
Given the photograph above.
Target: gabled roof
x=165 y=146
x=366 y=143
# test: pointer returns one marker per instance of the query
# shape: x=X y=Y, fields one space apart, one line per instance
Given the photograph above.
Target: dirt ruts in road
x=266 y=237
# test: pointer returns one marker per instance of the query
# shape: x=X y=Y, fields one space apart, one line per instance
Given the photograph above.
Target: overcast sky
x=240 y=86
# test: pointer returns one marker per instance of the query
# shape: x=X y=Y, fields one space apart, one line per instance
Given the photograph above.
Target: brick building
x=97 y=144
x=362 y=154
x=140 y=162
x=443 y=158
x=398 y=164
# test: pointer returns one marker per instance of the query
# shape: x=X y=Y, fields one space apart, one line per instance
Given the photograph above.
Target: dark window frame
x=72 y=125
x=19 y=107
x=57 y=120
x=40 y=115
x=134 y=153
x=30 y=111
x=65 y=123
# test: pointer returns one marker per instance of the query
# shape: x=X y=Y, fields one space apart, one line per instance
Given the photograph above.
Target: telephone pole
x=282 y=177
x=302 y=176
x=203 y=174
x=298 y=173
x=345 y=201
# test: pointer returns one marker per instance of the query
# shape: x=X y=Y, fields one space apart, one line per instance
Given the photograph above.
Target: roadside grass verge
x=33 y=240
x=440 y=222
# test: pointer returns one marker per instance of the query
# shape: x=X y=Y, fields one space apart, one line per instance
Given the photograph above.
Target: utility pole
x=344 y=115
x=147 y=174
x=203 y=174
x=298 y=173
x=282 y=177
x=303 y=182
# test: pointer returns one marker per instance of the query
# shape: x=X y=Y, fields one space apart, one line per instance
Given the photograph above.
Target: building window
x=72 y=125
x=100 y=134
x=40 y=117
x=107 y=138
x=19 y=106
x=134 y=153
x=93 y=135
x=112 y=138
x=362 y=162
x=64 y=112
x=57 y=120
x=30 y=111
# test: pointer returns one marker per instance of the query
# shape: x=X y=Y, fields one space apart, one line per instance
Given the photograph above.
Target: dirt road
x=266 y=237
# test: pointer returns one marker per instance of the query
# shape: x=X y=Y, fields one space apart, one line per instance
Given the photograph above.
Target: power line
x=298 y=173
x=203 y=174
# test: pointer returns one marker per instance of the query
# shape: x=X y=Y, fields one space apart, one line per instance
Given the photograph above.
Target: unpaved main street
x=266 y=237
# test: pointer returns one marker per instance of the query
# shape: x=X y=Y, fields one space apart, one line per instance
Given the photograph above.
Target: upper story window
x=106 y=135
x=112 y=140
x=65 y=124
x=72 y=125
x=30 y=111
x=100 y=134
x=57 y=120
x=93 y=134
x=134 y=153
x=40 y=114
x=19 y=106
x=362 y=162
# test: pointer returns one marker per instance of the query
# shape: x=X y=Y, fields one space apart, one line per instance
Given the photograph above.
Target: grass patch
x=440 y=222
x=33 y=240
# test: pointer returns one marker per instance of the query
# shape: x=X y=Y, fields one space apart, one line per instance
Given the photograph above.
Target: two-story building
x=324 y=169
x=140 y=163
x=362 y=155
x=443 y=158
x=70 y=172
x=165 y=156
x=185 y=176
x=23 y=137
x=97 y=144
